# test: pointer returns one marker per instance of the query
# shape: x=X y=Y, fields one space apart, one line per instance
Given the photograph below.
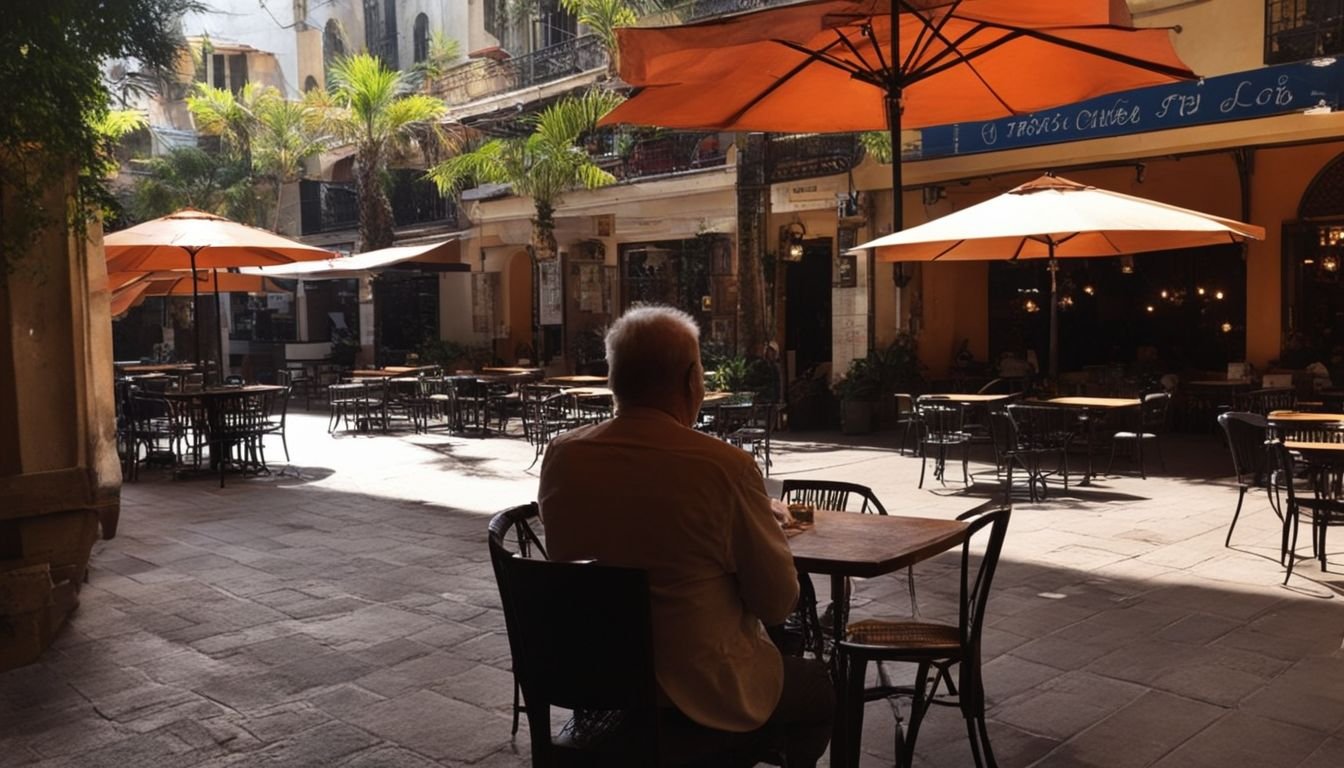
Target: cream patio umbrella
x=194 y=240
x=1054 y=218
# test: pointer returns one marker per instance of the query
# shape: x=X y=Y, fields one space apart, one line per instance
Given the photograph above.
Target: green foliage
x=191 y=177
x=451 y=354
x=877 y=144
x=898 y=365
x=54 y=96
x=863 y=381
x=730 y=375
x=602 y=17
x=543 y=165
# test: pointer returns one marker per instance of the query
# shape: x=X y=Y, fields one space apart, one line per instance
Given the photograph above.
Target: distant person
x=645 y=490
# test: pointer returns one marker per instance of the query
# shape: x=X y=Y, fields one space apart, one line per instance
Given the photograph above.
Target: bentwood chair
x=1246 y=434
x=932 y=647
x=941 y=431
x=515 y=523
x=1044 y=433
x=581 y=638
x=1322 y=502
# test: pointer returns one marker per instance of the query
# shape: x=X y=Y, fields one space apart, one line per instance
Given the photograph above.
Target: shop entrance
x=807 y=315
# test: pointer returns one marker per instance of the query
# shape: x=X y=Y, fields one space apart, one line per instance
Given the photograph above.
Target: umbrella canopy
x=367 y=263
x=825 y=66
x=1053 y=218
x=191 y=239
x=133 y=293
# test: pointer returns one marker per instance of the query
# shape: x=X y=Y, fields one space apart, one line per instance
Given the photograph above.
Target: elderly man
x=645 y=490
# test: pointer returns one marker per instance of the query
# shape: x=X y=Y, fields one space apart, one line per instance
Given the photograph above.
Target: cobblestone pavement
x=348 y=617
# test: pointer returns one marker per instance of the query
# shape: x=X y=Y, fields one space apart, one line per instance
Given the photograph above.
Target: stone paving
x=348 y=617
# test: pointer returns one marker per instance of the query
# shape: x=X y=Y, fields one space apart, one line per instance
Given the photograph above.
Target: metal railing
x=790 y=157
x=668 y=152
x=704 y=9
x=1303 y=29
x=330 y=206
x=485 y=77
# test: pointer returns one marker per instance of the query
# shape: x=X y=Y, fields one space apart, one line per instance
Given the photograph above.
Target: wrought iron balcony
x=487 y=77
x=330 y=206
x=1303 y=29
x=790 y=157
x=703 y=9
x=664 y=153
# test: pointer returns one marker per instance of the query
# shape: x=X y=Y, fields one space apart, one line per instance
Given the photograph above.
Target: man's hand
x=781 y=511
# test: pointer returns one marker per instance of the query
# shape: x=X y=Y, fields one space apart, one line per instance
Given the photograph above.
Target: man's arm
x=760 y=552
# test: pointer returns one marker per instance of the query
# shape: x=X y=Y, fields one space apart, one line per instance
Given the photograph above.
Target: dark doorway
x=406 y=314
x=807 y=319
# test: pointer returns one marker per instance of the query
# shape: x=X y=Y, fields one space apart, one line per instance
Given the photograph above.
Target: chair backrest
x=905 y=404
x=1154 y=408
x=940 y=418
x=1043 y=427
x=976 y=580
x=831 y=494
x=581 y=639
x=1002 y=434
x=1262 y=401
x=1246 y=433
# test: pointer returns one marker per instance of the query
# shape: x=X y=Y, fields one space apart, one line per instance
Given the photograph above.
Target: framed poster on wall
x=551 y=311
x=846 y=270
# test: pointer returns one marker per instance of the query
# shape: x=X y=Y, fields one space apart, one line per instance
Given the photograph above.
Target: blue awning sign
x=1238 y=96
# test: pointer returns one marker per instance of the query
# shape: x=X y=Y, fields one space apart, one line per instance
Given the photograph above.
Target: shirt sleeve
x=759 y=551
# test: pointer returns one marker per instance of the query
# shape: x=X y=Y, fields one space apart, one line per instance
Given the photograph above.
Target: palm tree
x=602 y=17
x=543 y=165
x=233 y=118
x=285 y=139
x=378 y=111
x=192 y=177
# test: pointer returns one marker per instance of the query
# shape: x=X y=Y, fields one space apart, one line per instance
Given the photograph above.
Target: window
x=373 y=26
x=226 y=71
x=1303 y=29
x=309 y=84
x=557 y=25
x=494 y=19
x=333 y=43
x=421 y=38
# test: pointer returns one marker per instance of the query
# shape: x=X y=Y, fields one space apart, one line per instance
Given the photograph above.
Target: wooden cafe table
x=845 y=544
x=581 y=381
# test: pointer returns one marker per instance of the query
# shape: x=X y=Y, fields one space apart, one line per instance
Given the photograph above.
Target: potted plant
x=899 y=370
x=858 y=392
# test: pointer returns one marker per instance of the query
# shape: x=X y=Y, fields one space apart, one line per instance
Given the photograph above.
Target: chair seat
x=914 y=636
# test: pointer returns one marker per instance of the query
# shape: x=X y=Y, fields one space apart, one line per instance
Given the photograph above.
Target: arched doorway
x=333 y=45
x=1313 y=257
x=420 y=39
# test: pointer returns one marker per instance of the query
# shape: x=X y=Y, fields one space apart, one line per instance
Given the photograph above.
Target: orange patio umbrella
x=863 y=65
x=149 y=284
x=1055 y=218
x=193 y=240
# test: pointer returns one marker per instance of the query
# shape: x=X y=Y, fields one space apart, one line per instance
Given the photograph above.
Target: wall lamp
x=791 y=240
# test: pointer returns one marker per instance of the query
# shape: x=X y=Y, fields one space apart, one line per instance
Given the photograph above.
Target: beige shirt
x=643 y=491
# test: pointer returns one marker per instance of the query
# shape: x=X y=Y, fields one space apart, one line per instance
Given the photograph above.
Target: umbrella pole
x=196 y=312
x=894 y=122
x=1054 y=316
x=219 y=328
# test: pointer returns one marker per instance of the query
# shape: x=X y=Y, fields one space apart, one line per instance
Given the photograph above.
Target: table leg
x=839 y=620
x=1091 y=446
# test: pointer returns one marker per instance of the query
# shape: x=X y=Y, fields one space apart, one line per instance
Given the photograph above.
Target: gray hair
x=649 y=350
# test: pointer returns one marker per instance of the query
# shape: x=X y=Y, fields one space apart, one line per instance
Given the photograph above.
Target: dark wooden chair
x=932 y=647
x=581 y=638
x=513 y=526
x=1323 y=502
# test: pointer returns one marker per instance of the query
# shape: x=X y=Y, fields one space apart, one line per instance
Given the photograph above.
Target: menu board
x=551 y=311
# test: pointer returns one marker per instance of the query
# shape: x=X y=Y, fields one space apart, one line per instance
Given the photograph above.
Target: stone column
x=59 y=472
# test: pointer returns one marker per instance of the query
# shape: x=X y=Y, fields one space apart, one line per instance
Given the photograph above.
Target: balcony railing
x=801 y=156
x=703 y=9
x=1303 y=29
x=486 y=77
x=327 y=206
x=667 y=152
x=330 y=206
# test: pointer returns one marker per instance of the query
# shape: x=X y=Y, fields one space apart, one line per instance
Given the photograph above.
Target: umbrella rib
x=927 y=32
x=867 y=32
x=821 y=57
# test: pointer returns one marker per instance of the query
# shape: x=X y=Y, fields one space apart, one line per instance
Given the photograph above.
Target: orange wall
x=519 y=303
x=955 y=306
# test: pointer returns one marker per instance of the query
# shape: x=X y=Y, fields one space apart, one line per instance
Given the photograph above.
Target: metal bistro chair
x=932 y=647
x=836 y=495
x=941 y=431
x=1152 y=424
x=1324 y=504
x=906 y=418
x=581 y=638
x=751 y=430
x=1263 y=401
x=1043 y=432
x=1246 y=434
x=1007 y=454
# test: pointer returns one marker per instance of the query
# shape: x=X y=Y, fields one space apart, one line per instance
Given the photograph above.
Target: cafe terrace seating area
x=306 y=579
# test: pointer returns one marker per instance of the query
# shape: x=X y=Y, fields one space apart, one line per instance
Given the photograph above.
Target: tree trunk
x=543 y=232
x=375 y=210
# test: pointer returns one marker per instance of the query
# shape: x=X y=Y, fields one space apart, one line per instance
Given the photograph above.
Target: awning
x=444 y=255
